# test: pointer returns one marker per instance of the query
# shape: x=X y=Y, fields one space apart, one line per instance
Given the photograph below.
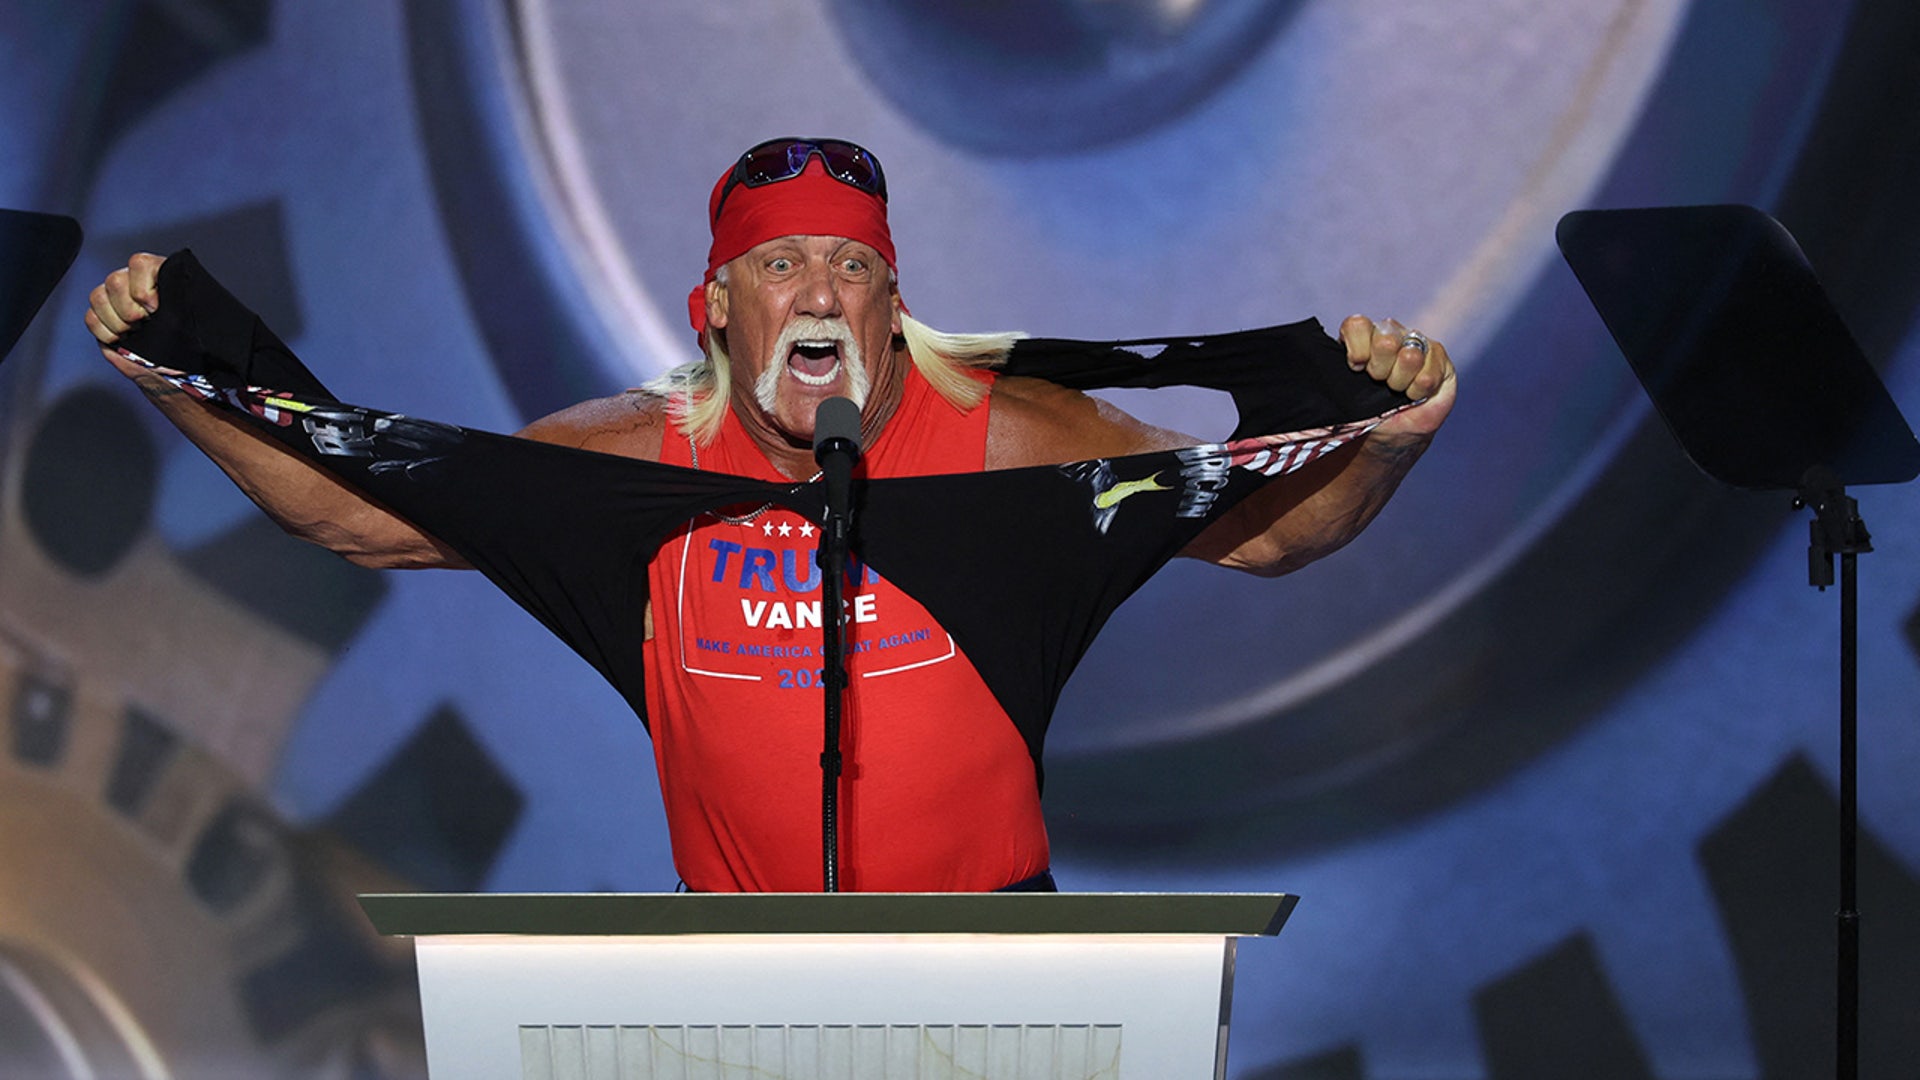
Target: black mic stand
x=1757 y=376
x=836 y=446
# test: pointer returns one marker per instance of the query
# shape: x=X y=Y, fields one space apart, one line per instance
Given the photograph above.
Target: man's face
x=807 y=318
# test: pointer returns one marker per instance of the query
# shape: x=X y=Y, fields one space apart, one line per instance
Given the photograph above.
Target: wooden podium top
x=654 y=914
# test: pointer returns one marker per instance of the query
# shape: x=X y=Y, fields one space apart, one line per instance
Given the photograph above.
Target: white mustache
x=812 y=329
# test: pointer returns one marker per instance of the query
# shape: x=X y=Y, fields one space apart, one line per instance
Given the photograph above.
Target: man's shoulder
x=1036 y=422
x=630 y=424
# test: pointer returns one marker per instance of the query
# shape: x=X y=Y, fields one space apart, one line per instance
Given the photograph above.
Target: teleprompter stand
x=1752 y=369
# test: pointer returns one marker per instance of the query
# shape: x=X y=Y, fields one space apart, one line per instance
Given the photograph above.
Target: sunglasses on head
x=783 y=159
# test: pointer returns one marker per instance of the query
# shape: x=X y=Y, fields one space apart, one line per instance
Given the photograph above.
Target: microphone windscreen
x=836 y=419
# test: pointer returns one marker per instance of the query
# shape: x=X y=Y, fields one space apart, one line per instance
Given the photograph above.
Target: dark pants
x=1040 y=882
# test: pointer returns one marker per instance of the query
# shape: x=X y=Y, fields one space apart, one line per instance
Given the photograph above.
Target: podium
x=848 y=986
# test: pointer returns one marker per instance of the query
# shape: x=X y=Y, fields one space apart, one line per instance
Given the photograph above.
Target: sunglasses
x=783 y=159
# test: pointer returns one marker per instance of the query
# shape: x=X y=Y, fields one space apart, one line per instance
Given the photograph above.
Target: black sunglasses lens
x=773 y=161
x=853 y=165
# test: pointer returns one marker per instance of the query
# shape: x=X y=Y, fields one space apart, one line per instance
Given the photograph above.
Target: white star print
x=806 y=528
x=767 y=527
x=786 y=529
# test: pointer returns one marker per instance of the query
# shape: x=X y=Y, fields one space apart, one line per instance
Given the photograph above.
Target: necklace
x=743 y=519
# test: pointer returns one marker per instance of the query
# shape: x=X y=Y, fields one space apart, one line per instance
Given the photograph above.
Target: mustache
x=814 y=328
x=766 y=388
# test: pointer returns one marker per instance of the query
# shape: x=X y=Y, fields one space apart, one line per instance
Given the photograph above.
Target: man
x=800 y=303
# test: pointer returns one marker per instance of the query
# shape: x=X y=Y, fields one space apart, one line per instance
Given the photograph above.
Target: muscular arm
x=1311 y=514
x=1284 y=525
x=630 y=425
x=303 y=498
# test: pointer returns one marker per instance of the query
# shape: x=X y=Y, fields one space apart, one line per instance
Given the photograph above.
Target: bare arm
x=1314 y=513
x=1283 y=526
x=630 y=425
x=303 y=498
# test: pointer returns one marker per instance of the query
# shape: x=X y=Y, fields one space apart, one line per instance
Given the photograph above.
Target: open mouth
x=815 y=363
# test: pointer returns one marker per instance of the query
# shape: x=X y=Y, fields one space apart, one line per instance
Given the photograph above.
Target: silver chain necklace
x=744 y=519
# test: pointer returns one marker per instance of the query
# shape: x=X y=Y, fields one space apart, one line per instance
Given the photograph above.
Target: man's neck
x=792 y=462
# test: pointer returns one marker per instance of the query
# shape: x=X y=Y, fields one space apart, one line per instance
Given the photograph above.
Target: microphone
x=836 y=429
x=836 y=446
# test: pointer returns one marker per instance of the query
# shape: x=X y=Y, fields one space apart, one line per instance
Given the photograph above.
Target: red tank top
x=938 y=794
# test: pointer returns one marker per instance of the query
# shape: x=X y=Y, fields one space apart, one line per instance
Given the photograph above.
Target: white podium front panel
x=810 y=1007
x=925 y=1052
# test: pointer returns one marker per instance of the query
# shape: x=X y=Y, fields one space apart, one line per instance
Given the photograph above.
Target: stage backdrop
x=1549 y=752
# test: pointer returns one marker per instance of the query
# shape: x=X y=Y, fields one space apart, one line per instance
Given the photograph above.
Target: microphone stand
x=836 y=446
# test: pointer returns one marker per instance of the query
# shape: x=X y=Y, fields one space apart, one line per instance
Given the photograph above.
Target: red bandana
x=811 y=204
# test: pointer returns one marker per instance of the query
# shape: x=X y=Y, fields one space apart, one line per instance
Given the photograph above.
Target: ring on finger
x=1414 y=339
